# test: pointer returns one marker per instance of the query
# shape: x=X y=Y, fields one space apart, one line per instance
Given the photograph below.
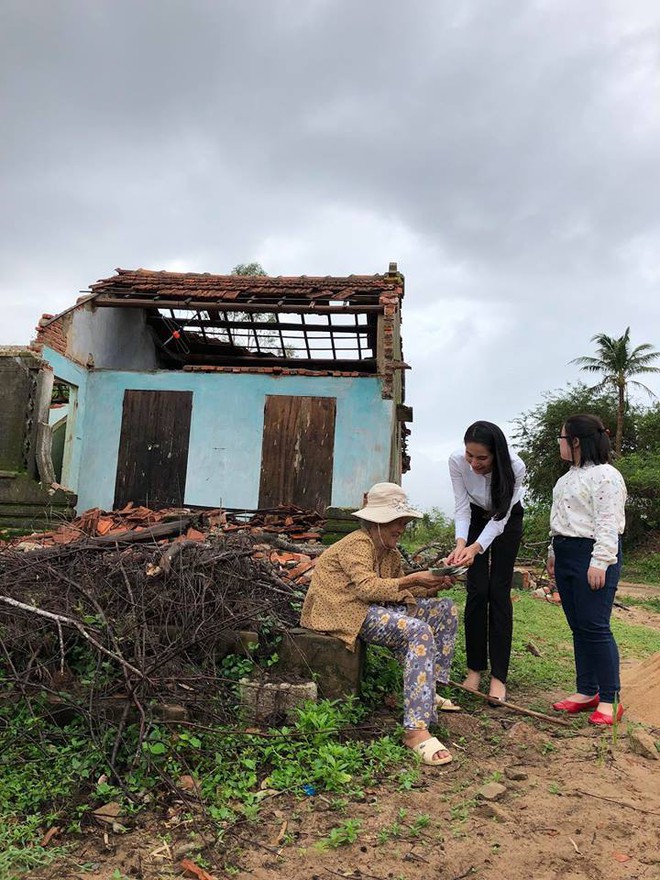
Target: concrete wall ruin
x=25 y=388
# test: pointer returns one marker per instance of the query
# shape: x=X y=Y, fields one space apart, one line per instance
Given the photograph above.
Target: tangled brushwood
x=118 y=635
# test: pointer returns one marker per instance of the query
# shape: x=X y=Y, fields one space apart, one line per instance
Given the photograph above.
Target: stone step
x=336 y=670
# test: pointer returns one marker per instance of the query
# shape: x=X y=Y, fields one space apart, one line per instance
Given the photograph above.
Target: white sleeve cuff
x=598 y=563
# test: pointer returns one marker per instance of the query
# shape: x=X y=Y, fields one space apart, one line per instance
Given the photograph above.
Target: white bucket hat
x=385 y=503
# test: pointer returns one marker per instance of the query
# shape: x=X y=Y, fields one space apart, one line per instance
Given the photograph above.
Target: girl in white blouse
x=586 y=523
x=487 y=481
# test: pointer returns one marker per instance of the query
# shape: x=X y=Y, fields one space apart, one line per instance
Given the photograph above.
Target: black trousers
x=488 y=609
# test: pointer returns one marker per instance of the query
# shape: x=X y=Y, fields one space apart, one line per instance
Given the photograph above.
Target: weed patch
x=342 y=835
x=51 y=776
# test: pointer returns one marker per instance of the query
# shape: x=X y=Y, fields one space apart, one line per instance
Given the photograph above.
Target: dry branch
x=61 y=619
x=513 y=706
x=580 y=792
x=108 y=629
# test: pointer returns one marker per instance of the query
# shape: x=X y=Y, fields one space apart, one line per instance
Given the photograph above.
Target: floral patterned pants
x=422 y=640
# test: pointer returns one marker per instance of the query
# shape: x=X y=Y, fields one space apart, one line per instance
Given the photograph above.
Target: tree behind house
x=266 y=340
x=254 y=269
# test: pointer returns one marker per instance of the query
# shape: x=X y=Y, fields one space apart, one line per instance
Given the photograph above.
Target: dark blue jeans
x=588 y=613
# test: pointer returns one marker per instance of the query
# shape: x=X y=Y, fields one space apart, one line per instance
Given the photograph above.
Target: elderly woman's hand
x=431 y=583
x=440 y=583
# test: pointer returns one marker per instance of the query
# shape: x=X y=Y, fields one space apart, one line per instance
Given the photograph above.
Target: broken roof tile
x=156 y=286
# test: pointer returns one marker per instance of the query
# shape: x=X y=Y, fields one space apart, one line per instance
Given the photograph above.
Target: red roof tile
x=191 y=286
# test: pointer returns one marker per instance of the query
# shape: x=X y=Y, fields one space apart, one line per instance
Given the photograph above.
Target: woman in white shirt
x=487 y=482
x=587 y=520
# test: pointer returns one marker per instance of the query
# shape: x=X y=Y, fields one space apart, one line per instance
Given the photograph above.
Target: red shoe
x=601 y=719
x=572 y=706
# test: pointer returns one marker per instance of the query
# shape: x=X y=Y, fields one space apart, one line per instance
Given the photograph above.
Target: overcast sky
x=504 y=153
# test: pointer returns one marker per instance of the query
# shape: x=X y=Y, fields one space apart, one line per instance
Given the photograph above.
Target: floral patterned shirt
x=589 y=502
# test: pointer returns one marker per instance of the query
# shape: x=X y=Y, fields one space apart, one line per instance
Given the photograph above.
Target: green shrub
x=641 y=471
x=536 y=531
x=434 y=527
x=382 y=676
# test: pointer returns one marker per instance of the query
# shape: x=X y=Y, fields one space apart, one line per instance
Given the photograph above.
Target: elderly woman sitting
x=359 y=589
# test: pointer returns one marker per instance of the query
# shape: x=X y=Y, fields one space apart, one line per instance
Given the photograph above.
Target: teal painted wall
x=226 y=431
x=78 y=378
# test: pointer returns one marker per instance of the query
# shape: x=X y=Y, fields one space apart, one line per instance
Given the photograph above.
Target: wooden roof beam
x=267 y=308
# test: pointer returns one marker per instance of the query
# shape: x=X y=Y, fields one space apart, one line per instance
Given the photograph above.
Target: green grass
x=651 y=603
x=635 y=641
x=641 y=568
x=47 y=775
x=545 y=625
x=536 y=621
x=40 y=777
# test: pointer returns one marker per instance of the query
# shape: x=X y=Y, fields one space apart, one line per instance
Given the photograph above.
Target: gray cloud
x=504 y=152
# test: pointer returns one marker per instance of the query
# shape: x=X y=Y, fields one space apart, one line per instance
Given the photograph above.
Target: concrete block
x=342 y=513
x=521 y=579
x=26 y=504
x=339 y=523
x=242 y=642
x=336 y=670
x=261 y=701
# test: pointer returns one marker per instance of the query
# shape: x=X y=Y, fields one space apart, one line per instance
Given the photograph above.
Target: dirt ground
x=637 y=614
x=575 y=803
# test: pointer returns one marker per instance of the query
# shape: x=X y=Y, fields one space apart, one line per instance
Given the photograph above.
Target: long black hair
x=594 y=438
x=502 y=479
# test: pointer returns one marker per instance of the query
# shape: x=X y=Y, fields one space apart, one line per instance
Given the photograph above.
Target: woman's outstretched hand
x=444 y=582
x=462 y=555
x=430 y=582
x=452 y=559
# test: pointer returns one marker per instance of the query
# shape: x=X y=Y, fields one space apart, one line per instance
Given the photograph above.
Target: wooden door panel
x=153 y=448
x=297 y=451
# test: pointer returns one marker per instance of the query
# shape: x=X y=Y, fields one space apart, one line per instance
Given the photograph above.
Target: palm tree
x=618 y=364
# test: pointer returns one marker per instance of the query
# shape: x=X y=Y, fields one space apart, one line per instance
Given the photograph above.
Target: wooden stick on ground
x=514 y=708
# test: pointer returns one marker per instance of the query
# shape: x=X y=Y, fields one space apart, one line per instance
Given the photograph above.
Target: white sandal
x=427 y=749
x=444 y=704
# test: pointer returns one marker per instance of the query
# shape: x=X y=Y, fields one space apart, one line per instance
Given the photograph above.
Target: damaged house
x=225 y=390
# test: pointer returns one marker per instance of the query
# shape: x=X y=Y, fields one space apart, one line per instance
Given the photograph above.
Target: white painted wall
x=114 y=339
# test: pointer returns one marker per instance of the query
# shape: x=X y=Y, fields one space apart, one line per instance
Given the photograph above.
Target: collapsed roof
x=213 y=320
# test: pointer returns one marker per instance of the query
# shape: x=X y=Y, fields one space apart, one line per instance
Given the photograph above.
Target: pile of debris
x=133 y=523
x=114 y=616
x=287 y=537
